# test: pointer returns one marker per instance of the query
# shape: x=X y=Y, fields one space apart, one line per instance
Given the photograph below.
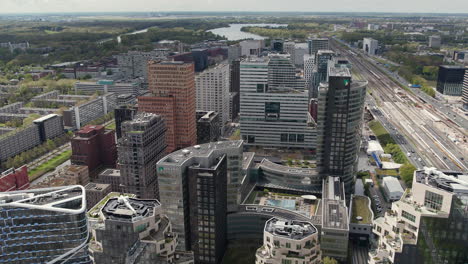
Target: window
x=272 y=110
x=288 y=245
x=433 y=200
x=408 y=216
x=260 y=88
x=292 y=137
x=284 y=137
x=300 y=138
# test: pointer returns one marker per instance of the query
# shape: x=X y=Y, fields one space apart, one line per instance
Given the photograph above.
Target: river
x=233 y=32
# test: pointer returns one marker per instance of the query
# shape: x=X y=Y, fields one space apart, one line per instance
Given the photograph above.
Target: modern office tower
x=141 y=146
x=212 y=86
x=130 y=230
x=173 y=87
x=207 y=186
x=290 y=48
x=251 y=47
x=277 y=45
x=44 y=226
x=335 y=224
x=300 y=50
x=465 y=90
x=200 y=59
x=94 y=146
x=339 y=120
x=208 y=129
x=316 y=44
x=429 y=224
x=234 y=89
x=234 y=52
x=286 y=241
x=122 y=114
x=282 y=73
x=435 y=41
x=133 y=64
x=274 y=112
x=370 y=46
x=174 y=182
x=320 y=71
x=450 y=80
x=309 y=64
x=14 y=179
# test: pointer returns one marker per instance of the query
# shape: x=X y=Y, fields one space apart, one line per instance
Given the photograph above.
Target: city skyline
x=73 y=6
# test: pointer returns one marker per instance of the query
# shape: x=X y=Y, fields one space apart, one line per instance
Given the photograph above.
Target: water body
x=233 y=32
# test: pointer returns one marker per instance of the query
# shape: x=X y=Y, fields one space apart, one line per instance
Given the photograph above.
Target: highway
x=418 y=127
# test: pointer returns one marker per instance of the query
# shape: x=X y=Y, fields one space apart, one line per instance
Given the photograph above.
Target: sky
x=411 y=6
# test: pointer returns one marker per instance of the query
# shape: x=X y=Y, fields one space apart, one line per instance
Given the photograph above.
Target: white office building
x=370 y=46
x=435 y=41
x=273 y=111
x=212 y=91
x=251 y=47
x=300 y=50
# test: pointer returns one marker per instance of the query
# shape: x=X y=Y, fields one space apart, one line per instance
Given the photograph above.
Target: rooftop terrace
x=296 y=230
x=127 y=209
x=361 y=212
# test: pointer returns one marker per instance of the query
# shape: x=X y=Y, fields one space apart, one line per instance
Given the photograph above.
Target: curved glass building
x=44 y=226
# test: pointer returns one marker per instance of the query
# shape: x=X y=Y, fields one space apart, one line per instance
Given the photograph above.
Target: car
x=375 y=196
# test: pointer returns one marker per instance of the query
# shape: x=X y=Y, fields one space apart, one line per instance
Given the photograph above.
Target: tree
x=407 y=172
x=328 y=260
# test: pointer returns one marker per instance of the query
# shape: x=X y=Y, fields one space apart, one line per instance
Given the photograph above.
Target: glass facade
x=433 y=200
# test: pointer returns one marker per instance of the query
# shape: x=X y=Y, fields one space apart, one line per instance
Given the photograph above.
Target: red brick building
x=14 y=179
x=94 y=146
x=172 y=85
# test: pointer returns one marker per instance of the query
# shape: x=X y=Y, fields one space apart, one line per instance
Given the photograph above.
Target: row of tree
x=34 y=153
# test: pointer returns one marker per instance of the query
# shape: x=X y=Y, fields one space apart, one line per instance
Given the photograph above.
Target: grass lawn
x=49 y=165
x=111 y=126
x=236 y=135
x=387 y=172
x=381 y=133
x=361 y=208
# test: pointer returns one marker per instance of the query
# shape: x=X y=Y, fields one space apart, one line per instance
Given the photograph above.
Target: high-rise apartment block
x=142 y=145
x=212 y=86
x=175 y=186
x=316 y=44
x=370 y=46
x=207 y=186
x=429 y=224
x=450 y=79
x=94 y=146
x=339 y=123
x=122 y=114
x=44 y=226
x=274 y=110
x=172 y=85
x=309 y=64
x=435 y=41
x=130 y=230
x=288 y=241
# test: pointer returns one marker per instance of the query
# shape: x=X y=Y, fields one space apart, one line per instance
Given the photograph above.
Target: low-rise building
x=112 y=177
x=95 y=192
x=360 y=219
x=14 y=179
x=289 y=241
x=392 y=187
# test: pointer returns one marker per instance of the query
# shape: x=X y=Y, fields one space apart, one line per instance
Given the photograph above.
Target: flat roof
x=291 y=229
x=392 y=184
x=449 y=181
x=361 y=212
x=46 y=117
x=124 y=208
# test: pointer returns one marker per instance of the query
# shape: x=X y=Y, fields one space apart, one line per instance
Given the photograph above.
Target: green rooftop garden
x=361 y=208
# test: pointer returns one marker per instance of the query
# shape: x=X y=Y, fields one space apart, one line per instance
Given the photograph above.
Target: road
x=411 y=121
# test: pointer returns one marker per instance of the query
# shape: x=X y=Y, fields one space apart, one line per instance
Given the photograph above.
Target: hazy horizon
x=109 y=6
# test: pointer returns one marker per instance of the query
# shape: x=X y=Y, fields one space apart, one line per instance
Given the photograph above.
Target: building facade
x=465 y=91
x=208 y=129
x=212 y=92
x=94 y=146
x=274 y=113
x=370 y=46
x=450 y=80
x=172 y=85
x=316 y=44
x=174 y=187
x=14 y=179
x=44 y=226
x=142 y=145
x=289 y=241
x=435 y=41
x=339 y=123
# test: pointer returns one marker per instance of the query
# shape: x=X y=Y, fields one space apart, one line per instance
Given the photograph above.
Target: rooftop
x=334 y=211
x=204 y=150
x=295 y=230
x=268 y=165
x=128 y=209
x=361 y=212
x=96 y=186
x=111 y=172
x=453 y=182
